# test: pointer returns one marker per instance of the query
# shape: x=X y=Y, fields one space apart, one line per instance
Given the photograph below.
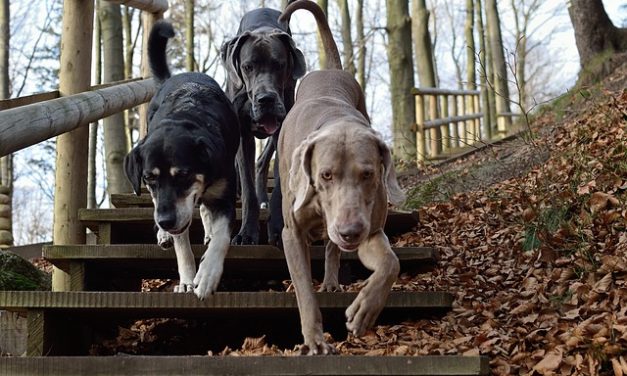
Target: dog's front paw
x=316 y=345
x=363 y=312
x=184 y=287
x=164 y=239
x=330 y=285
x=207 y=279
x=246 y=237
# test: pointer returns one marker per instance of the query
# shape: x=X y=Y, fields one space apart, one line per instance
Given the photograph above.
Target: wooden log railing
x=446 y=120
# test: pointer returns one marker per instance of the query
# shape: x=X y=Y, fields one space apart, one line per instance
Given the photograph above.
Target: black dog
x=188 y=156
x=262 y=64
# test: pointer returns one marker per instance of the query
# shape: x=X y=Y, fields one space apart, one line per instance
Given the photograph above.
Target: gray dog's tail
x=157 y=41
x=330 y=48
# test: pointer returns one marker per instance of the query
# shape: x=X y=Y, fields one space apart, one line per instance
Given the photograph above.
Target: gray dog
x=338 y=176
x=262 y=65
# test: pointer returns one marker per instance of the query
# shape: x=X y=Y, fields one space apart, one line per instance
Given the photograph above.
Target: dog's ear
x=133 y=166
x=299 y=65
x=300 y=181
x=395 y=193
x=229 y=52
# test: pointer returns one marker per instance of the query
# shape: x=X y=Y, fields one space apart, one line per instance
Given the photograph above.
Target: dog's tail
x=157 y=41
x=330 y=48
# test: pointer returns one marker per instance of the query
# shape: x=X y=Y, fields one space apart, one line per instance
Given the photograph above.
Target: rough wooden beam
x=239 y=366
x=151 y=6
x=58 y=116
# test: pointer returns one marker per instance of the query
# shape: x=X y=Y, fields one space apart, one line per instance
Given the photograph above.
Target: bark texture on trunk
x=422 y=44
x=324 y=4
x=190 y=62
x=500 y=66
x=483 y=74
x=400 y=60
x=347 y=37
x=361 y=45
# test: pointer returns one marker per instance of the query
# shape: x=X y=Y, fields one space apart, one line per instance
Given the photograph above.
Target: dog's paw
x=184 y=287
x=362 y=313
x=164 y=239
x=317 y=346
x=206 y=280
x=246 y=238
x=264 y=205
x=330 y=286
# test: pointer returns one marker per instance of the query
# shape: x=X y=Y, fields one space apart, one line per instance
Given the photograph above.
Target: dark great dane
x=262 y=64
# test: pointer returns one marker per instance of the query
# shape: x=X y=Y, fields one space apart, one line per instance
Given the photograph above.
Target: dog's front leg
x=185 y=262
x=377 y=255
x=331 y=268
x=212 y=262
x=261 y=175
x=298 y=262
x=205 y=216
x=249 y=232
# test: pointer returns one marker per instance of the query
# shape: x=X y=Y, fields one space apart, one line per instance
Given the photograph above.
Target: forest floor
x=532 y=243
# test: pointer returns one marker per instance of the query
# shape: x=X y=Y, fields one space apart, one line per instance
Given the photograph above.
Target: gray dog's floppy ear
x=133 y=167
x=300 y=181
x=395 y=194
x=229 y=52
x=300 y=66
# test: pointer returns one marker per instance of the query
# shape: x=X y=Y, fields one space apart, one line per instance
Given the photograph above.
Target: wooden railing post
x=455 y=113
x=446 y=133
x=420 y=129
x=435 y=134
x=477 y=109
x=72 y=148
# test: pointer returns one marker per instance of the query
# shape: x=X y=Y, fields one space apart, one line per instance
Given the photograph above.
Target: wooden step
x=247 y=365
x=66 y=323
x=247 y=268
x=136 y=225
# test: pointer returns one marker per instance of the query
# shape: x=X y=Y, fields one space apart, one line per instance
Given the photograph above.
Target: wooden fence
x=446 y=120
x=67 y=112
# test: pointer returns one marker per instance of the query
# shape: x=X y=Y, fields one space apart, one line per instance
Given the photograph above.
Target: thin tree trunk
x=6 y=163
x=93 y=127
x=129 y=48
x=324 y=4
x=470 y=46
x=401 y=79
x=347 y=38
x=485 y=100
x=361 y=45
x=594 y=31
x=190 y=62
x=500 y=68
x=422 y=44
x=115 y=135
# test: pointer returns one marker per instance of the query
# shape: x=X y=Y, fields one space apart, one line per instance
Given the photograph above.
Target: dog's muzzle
x=268 y=112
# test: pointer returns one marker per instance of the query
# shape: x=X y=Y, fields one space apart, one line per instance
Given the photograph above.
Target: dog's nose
x=351 y=233
x=167 y=222
x=266 y=98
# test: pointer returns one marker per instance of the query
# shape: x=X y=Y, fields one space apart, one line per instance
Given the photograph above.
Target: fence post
x=72 y=148
x=6 y=237
x=420 y=129
x=477 y=106
x=456 y=141
x=446 y=133
x=435 y=134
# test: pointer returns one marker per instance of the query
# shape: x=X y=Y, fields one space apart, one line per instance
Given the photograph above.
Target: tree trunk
x=93 y=127
x=594 y=31
x=129 y=49
x=400 y=60
x=190 y=62
x=485 y=100
x=361 y=46
x=115 y=135
x=471 y=83
x=6 y=163
x=422 y=44
x=500 y=67
x=347 y=38
x=324 y=4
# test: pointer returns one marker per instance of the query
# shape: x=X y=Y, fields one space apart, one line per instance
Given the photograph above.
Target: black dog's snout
x=266 y=99
x=167 y=222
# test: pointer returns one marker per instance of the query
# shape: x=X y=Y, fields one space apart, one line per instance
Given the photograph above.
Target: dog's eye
x=247 y=68
x=326 y=175
x=149 y=179
x=367 y=175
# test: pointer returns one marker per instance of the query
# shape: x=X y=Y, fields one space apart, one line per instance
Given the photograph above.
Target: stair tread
x=246 y=365
x=219 y=302
x=251 y=252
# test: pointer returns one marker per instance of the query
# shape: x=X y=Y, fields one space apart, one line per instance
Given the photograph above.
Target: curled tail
x=330 y=48
x=157 y=41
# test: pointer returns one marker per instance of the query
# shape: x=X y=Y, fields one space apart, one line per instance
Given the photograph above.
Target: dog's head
x=349 y=172
x=264 y=63
x=174 y=166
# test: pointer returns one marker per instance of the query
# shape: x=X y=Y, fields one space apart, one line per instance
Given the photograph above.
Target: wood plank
x=220 y=302
x=240 y=366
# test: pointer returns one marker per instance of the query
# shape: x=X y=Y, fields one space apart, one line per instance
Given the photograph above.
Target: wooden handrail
x=439 y=91
x=453 y=119
x=151 y=6
x=28 y=125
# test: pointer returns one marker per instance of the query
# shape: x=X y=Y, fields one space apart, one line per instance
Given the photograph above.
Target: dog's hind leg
x=212 y=262
x=331 y=268
x=205 y=216
x=185 y=262
x=249 y=232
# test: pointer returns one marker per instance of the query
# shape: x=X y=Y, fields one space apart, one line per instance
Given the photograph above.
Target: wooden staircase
x=105 y=294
